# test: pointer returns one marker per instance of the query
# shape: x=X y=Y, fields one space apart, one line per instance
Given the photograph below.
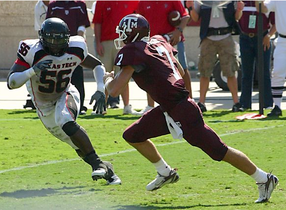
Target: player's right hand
x=42 y=66
x=99 y=106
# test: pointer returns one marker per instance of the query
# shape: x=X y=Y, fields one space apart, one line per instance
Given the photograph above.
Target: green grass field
x=37 y=171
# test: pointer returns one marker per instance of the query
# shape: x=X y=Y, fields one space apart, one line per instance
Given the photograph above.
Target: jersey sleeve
x=167 y=44
x=26 y=51
x=179 y=7
x=271 y=5
x=131 y=54
x=125 y=56
x=78 y=47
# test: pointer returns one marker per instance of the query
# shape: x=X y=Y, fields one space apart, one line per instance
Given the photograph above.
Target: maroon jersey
x=74 y=13
x=156 y=70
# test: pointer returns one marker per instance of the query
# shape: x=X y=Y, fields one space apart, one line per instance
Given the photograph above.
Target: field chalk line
x=124 y=151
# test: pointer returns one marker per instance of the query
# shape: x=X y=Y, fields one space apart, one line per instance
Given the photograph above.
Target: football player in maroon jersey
x=153 y=66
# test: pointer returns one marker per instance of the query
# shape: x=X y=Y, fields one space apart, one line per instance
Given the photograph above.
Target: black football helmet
x=132 y=28
x=54 y=36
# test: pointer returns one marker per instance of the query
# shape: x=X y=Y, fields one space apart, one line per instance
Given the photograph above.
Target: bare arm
x=238 y=13
x=266 y=38
x=195 y=16
x=176 y=34
x=116 y=85
x=263 y=7
x=186 y=77
x=90 y=62
x=97 y=36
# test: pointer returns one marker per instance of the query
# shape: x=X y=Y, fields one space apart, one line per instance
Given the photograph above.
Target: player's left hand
x=99 y=106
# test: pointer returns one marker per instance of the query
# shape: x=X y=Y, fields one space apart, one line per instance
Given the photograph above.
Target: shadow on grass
x=216 y=113
x=43 y=192
x=29 y=114
x=114 y=116
x=24 y=111
x=134 y=207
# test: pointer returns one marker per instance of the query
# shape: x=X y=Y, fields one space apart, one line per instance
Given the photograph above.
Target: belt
x=281 y=35
x=219 y=31
x=251 y=35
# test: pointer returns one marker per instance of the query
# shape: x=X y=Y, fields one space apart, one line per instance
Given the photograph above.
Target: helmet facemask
x=119 y=42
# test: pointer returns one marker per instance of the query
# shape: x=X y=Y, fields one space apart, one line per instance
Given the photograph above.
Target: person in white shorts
x=279 y=71
x=46 y=65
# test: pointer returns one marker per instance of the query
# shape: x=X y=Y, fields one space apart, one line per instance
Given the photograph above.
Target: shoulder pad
x=27 y=49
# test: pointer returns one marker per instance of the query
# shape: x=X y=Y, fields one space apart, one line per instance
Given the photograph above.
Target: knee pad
x=70 y=128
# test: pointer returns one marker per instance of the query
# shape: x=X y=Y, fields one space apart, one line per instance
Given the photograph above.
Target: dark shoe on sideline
x=202 y=107
x=276 y=111
x=114 y=105
x=237 y=108
x=83 y=110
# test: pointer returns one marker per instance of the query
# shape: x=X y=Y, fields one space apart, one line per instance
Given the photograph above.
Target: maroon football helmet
x=132 y=28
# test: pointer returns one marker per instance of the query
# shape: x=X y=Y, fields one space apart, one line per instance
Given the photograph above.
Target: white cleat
x=128 y=110
x=147 y=108
x=114 y=180
x=160 y=180
x=266 y=189
x=98 y=173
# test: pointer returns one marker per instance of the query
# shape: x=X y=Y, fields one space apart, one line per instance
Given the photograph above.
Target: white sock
x=259 y=176
x=277 y=102
x=162 y=167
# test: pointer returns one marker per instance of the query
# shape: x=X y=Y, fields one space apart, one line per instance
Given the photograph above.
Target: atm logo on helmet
x=129 y=23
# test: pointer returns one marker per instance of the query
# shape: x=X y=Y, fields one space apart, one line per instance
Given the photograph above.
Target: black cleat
x=105 y=171
x=237 y=107
x=275 y=112
x=202 y=107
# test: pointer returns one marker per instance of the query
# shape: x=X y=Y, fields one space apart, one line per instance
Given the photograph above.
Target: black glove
x=42 y=66
x=99 y=106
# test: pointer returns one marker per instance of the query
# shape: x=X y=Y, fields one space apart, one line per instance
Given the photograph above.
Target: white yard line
x=126 y=151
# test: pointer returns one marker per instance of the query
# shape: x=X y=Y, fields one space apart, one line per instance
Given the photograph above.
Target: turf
x=37 y=171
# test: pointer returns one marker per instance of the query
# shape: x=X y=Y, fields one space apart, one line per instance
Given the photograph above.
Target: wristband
x=180 y=29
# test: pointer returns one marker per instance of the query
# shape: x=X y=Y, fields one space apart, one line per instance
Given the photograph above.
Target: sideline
x=126 y=151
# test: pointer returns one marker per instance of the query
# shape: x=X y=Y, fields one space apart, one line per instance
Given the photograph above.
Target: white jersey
x=48 y=87
x=279 y=8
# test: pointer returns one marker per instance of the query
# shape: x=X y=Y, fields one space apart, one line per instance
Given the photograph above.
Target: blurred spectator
x=90 y=12
x=106 y=17
x=40 y=12
x=74 y=13
x=249 y=53
x=279 y=73
x=216 y=26
x=156 y=12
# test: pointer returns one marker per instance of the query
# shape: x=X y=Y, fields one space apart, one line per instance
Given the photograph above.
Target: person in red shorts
x=152 y=64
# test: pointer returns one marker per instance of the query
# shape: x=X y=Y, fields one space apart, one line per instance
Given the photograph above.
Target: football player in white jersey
x=46 y=65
